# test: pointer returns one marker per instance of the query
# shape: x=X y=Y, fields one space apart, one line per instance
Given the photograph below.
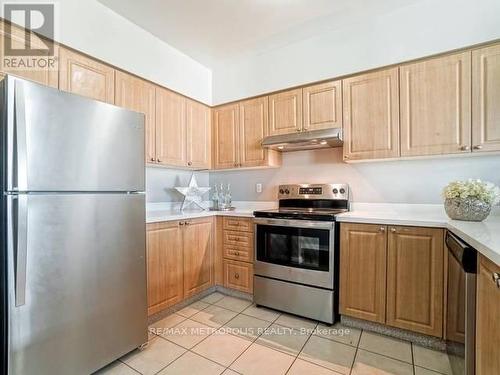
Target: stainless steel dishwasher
x=461 y=305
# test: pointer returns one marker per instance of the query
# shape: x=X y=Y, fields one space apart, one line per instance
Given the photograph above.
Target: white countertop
x=157 y=212
x=483 y=236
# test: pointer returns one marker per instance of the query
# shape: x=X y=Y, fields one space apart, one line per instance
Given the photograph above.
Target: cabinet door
x=138 y=95
x=488 y=318
x=197 y=245
x=225 y=128
x=42 y=74
x=435 y=106
x=323 y=106
x=415 y=279
x=84 y=76
x=285 y=112
x=485 y=99
x=198 y=135
x=165 y=266
x=170 y=128
x=363 y=251
x=253 y=128
x=371 y=115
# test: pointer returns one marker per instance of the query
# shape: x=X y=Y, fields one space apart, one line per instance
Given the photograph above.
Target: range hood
x=309 y=140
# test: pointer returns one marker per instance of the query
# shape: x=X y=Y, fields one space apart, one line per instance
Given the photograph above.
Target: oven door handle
x=308 y=224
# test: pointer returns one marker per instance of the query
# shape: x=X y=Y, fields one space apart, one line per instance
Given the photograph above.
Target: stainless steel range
x=296 y=251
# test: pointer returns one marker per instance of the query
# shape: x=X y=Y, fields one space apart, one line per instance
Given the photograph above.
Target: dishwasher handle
x=463 y=253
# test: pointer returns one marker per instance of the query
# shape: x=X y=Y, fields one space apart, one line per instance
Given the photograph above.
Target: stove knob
x=342 y=191
x=335 y=191
x=282 y=191
x=287 y=191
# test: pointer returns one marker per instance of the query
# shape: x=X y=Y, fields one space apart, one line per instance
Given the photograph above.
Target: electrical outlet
x=258 y=188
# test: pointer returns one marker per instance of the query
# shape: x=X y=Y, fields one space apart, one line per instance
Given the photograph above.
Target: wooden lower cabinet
x=197 y=246
x=164 y=265
x=238 y=275
x=363 y=254
x=236 y=243
x=179 y=261
x=488 y=318
x=415 y=281
x=393 y=275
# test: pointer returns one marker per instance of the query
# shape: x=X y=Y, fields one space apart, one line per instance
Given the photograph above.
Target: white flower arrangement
x=484 y=191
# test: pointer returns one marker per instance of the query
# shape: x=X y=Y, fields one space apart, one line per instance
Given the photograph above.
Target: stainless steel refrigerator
x=73 y=231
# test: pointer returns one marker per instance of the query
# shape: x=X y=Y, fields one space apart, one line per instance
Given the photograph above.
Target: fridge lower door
x=76 y=281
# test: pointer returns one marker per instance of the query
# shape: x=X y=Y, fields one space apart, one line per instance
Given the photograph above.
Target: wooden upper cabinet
x=138 y=95
x=322 y=106
x=198 y=248
x=170 y=128
x=198 y=133
x=84 y=76
x=486 y=99
x=44 y=74
x=363 y=252
x=285 y=112
x=371 y=115
x=415 y=276
x=253 y=128
x=436 y=106
x=487 y=318
x=225 y=136
x=164 y=265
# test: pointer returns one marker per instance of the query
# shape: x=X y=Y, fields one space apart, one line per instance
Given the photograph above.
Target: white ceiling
x=213 y=30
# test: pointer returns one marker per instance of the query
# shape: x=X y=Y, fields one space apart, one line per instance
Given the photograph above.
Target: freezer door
x=76 y=281
x=64 y=142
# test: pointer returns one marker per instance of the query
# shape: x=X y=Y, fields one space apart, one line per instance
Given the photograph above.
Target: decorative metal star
x=192 y=194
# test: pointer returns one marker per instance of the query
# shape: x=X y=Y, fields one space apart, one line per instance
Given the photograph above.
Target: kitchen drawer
x=244 y=254
x=238 y=275
x=240 y=240
x=238 y=223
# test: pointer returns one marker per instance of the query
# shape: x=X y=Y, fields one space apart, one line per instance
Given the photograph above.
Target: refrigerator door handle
x=20 y=162
x=19 y=227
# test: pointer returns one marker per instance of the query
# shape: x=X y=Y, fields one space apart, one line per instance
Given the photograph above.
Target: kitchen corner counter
x=158 y=212
x=483 y=236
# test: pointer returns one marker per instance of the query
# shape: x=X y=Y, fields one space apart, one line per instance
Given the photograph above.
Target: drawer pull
x=236 y=276
x=237 y=239
x=236 y=253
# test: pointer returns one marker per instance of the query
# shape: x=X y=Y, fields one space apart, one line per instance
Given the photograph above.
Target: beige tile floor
x=226 y=335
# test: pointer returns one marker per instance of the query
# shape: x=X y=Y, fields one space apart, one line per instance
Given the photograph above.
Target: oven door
x=299 y=251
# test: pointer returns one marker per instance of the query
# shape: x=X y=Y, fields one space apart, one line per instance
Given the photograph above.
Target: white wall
x=90 y=27
x=160 y=183
x=424 y=28
x=402 y=181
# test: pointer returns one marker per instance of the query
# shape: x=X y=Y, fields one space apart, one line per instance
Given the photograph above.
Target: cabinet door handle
x=152 y=159
x=382 y=229
x=496 y=278
x=189 y=163
x=465 y=148
x=158 y=160
x=181 y=223
x=393 y=230
x=236 y=276
x=477 y=147
x=187 y=223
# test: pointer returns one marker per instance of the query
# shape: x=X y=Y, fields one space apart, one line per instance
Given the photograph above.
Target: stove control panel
x=314 y=191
